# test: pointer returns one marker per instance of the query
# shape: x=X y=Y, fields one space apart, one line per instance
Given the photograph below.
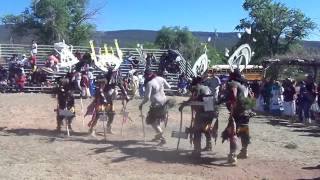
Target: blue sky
x=201 y=15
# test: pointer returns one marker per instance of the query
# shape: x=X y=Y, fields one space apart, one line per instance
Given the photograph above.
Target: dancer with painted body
x=202 y=102
x=154 y=91
x=238 y=125
x=65 y=103
x=103 y=101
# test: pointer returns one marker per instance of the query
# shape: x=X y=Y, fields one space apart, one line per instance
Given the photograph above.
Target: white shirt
x=90 y=75
x=34 y=48
x=141 y=79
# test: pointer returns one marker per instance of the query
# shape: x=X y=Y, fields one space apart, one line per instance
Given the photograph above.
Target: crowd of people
x=288 y=98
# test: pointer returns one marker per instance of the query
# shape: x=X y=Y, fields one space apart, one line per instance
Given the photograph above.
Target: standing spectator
x=141 y=85
x=255 y=87
x=289 y=104
x=266 y=94
x=276 y=105
x=34 y=48
x=213 y=82
x=84 y=83
x=91 y=83
x=135 y=84
x=307 y=97
x=33 y=62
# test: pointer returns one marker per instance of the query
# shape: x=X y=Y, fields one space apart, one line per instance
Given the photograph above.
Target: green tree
x=215 y=56
x=275 y=27
x=183 y=40
x=54 y=20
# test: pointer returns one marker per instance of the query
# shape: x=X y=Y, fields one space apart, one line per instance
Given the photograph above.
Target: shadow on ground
x=133 y=149
x=39 y=132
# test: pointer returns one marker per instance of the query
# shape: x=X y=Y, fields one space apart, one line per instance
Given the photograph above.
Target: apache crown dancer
x=65 y=102
x=238 y=105
x=154 y=91
x=202 y=102
x=213 y=82
x=103 y=102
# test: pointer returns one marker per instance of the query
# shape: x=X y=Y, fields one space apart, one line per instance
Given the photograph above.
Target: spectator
x=129 y=58
x=266 y=94
x=23 y=61
x=182 y=84
x=255 y=87
x=151 y=59
x=78 y=55
x=34 y=48
x=141 y=85
x=276 y=105
x=307 y=97
x=131 y=72
x=84 y=83
x=135 y=84
x=20 y=81
x=91 y=83
x=289 y=104
x=52 y=63
x=213 y=82
x=33 y=62
x=3 y=74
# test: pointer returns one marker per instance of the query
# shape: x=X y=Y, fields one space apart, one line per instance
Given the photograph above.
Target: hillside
x=131 y=37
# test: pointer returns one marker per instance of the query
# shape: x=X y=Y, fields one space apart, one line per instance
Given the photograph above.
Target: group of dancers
x=204 y=104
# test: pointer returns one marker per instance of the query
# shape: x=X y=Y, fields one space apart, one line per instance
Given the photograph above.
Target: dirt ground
x=30 y=148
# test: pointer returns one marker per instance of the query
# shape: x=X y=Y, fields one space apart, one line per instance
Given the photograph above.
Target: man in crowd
x=213 y=82
x=307 y=96
x=155 y=86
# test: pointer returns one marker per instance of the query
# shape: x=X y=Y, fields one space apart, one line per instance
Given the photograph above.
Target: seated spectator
x=151 y=59
x=52 y=63
x=23 y=61
x=20 y=81
x=129 y=58
x=38 y=77
x=3 y=74
x=131 y=72
x=182 y=84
